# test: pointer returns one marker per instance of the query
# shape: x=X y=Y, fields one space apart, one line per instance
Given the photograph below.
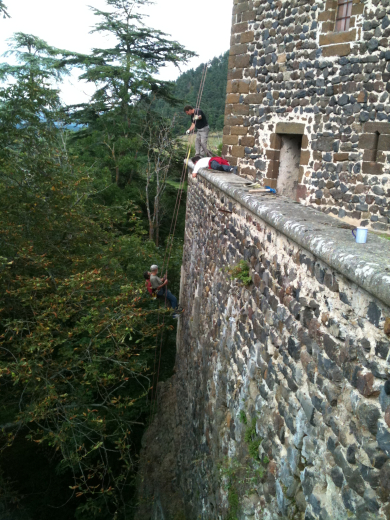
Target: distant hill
x=213 y=99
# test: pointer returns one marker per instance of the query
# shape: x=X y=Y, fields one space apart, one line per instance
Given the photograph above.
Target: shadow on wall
x=290 y=156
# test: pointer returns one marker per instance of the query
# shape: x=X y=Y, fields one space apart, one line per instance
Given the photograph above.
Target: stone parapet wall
x=288 y=65
x=280 y=406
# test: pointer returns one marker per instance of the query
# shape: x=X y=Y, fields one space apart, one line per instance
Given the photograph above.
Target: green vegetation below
x=84 y=213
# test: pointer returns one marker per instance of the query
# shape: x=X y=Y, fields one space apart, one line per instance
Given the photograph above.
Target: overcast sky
x=202 y=26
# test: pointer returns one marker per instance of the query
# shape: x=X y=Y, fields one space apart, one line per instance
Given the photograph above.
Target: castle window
x=344 y=11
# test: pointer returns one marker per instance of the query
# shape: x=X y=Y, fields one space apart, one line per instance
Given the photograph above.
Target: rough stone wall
x=279 y=408
x=290 y=73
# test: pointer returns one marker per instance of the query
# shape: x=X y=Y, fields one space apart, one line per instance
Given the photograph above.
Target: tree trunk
x=157 y=234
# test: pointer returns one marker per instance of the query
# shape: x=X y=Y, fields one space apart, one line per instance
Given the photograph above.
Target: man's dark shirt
x=200 y=123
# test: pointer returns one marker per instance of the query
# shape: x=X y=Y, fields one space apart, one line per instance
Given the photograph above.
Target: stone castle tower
x=307 y=107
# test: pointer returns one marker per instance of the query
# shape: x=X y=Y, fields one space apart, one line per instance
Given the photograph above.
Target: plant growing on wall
x=253 y=440
x=240 y=272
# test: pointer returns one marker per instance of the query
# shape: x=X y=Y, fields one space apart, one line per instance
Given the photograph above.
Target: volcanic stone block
x=382 y=128
x=241 y=48
x=232 y=98
x=254 y=99
x=230 y=139
x=273 y=170
x=240 y=110
x=362 y=97
x=387 y=326
x=305 y=157
x=340 y=157
x=342 y=49
x=247 y=37
x=243 y=87
x=273 y=155
x=290 y=128
x=241 y=7
x=275 y=141
x=242 y=61
x=370 y=155
x=337 y=37
x=372 y=168
x=384 y=142
x=247 y=141
x=234 y=121
x=239 y=130
x=326 y=15
x=240 y=27
x=238 y=151
x=249 y=16
x=325 y=144
x=368 y=141
x=328 y=26
x=357 y=9
x=235 y=74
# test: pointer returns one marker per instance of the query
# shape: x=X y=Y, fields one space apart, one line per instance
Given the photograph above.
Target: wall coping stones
x=367 y=265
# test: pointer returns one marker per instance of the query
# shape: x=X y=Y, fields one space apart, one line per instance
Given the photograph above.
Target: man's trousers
x=201 y=141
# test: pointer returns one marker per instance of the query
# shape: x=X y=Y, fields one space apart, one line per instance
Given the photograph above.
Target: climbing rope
x=184 y=171
x=171 y=236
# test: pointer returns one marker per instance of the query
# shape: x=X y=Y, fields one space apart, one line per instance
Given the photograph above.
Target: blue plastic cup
x=361 y=235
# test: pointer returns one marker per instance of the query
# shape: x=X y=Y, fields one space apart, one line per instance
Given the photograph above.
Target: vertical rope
x=171 y=236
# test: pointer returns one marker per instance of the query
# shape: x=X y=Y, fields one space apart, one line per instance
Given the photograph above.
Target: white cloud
x=202 y=26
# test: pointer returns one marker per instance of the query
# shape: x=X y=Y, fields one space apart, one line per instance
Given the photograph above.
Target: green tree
x=3 y=9
x=28 y=85
x=77 y=337
x=125 y=75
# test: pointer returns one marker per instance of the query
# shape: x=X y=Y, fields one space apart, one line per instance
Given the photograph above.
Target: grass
x=243 y=418
x=253 y=440
x=234 y=504
x=214 y=142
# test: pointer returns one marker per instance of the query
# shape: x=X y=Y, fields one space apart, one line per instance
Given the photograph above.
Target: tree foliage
x=3 y=9
x=125 y=77
x=83 y=214
x=77 y=333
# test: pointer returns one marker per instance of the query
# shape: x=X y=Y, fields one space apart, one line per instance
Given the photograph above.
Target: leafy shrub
x=233 y=504
x=253 y=440
x=240 y=272
x=243 y=418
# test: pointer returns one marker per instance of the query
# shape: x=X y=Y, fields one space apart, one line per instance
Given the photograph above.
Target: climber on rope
x=159 y=287
x=199 y=122
x=148 y=285
x=215 y=163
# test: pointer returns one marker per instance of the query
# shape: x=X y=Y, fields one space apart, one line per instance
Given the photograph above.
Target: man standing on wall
x=199 y=121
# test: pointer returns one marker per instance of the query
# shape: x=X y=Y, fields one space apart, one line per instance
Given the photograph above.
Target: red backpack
x=219 y=160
